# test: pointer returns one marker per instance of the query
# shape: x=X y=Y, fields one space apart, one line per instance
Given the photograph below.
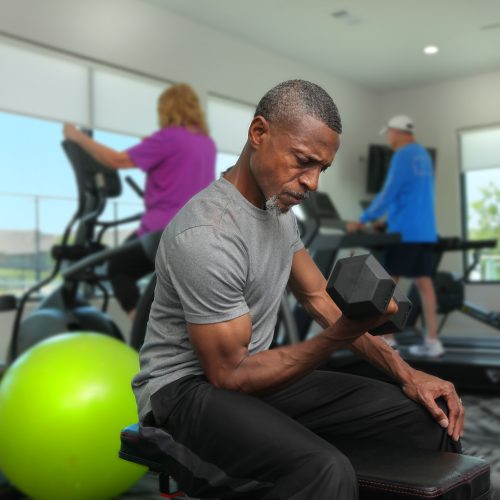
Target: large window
x=38 y=196
x=480 y=162
x=38 y=190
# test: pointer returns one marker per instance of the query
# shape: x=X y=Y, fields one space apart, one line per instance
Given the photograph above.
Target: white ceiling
x=378 y=43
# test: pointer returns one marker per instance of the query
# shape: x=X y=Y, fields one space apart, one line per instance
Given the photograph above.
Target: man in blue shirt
x=407 y=199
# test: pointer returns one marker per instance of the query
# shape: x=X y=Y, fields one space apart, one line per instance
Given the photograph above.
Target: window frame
x=464 y=205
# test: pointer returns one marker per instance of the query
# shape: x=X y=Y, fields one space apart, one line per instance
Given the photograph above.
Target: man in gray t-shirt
x=221 y=258
x=239 y=420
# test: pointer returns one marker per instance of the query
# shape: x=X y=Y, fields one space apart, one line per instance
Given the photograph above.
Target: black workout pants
x=224 y=444
x=124 y=270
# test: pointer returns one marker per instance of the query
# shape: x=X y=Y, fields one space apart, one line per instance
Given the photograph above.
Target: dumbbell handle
x=361 y=287
x=396 y=322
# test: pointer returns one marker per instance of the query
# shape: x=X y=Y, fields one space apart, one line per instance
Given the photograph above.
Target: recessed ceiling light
x=431 y=50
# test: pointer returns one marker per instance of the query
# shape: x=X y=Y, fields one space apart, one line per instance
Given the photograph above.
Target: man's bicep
x=309 y=287
x=305 y=277
x=221 y=347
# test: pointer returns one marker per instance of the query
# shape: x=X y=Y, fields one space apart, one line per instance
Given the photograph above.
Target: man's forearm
x=370 y=348
x=378 y=353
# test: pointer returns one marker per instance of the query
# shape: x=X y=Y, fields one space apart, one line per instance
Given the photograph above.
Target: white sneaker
x=429 y=349
x=390 y=341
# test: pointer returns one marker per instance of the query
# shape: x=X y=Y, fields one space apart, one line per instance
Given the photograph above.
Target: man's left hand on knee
x=425 y=389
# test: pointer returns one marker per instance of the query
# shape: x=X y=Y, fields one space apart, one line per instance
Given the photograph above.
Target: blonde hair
x=179 y=106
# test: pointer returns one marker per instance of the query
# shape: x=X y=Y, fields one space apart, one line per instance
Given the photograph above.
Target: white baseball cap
x=399 y=122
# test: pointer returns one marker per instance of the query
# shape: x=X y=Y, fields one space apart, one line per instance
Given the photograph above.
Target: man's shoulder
x=203 y=234
x=207 y=209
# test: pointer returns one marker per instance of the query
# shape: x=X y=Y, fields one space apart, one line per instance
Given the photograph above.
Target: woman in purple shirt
x=179 y=161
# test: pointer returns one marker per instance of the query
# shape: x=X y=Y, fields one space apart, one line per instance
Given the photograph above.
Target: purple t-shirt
x=178 y=164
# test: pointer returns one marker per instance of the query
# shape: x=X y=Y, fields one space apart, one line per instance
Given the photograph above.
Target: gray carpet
x=482 y=433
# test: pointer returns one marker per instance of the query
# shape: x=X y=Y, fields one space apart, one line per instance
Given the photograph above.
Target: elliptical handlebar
x=105 y=225
x=135 y=187
x=100 y=206
x=93 y=260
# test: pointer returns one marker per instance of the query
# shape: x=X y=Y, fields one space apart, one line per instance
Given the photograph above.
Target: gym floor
x=482 y=438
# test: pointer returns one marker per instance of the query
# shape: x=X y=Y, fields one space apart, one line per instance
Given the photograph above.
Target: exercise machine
x=79 y=259
x=450 y=289
x=472 y=363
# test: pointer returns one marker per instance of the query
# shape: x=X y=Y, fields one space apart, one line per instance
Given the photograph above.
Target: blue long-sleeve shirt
x=407 y=196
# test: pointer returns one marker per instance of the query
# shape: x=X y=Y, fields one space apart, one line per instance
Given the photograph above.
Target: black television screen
x=379 y=158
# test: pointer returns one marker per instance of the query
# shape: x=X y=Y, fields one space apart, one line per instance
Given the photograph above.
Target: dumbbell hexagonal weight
x=361 y=287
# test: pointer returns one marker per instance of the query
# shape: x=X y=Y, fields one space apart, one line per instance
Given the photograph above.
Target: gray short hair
x=295 y=98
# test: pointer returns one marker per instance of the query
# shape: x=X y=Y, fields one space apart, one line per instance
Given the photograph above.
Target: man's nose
x=310 y=179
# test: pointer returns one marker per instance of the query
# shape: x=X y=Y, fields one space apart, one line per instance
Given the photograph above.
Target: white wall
x=439 y=111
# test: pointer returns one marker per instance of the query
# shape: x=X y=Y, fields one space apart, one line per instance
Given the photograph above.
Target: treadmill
x=472 y=363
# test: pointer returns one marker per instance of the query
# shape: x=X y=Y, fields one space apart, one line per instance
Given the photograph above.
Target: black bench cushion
x=391 y=472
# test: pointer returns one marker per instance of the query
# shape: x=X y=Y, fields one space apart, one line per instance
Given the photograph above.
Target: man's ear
x=257 y=131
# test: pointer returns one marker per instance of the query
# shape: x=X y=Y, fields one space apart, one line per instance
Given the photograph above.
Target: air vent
x=492 y=26
x=346 y=17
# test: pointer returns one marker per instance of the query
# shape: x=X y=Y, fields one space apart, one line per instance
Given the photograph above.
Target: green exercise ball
x=62 y=406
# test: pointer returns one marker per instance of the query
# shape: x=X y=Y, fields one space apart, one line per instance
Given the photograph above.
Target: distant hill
x=23 y=241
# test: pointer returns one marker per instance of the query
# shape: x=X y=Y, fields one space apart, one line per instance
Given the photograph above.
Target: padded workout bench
x=383 y=472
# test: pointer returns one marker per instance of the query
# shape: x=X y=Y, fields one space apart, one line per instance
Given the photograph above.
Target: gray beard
x=272 y=205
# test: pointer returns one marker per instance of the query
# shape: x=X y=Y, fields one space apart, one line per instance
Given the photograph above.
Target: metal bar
x=37 y=239
x=115 y=217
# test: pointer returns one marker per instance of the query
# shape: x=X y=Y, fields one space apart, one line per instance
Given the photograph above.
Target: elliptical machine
x=67 y=308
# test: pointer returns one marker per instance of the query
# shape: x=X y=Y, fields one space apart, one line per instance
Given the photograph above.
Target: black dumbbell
x=396 y=322
x=361 y=288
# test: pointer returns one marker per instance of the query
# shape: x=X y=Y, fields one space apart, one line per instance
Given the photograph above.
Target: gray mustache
x=296 y=194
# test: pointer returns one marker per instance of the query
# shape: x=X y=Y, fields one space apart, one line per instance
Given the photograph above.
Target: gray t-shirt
x=219 y=258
